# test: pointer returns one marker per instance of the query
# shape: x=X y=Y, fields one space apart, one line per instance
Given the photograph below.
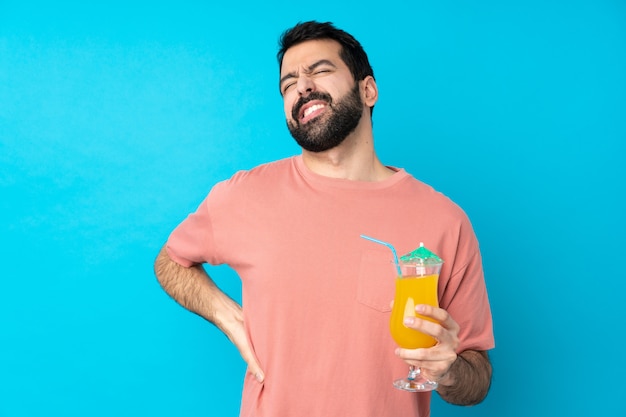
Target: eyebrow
x=310 y=69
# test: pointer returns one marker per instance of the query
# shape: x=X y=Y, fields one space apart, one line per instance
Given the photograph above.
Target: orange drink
x=416 y=283
x=411 y=291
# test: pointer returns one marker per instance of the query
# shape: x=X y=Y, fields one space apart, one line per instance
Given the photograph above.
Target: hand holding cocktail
x=435 y=362
x=416 y=286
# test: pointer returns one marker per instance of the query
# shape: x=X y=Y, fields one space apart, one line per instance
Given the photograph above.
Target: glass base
x=416 y=385
x=415 y=382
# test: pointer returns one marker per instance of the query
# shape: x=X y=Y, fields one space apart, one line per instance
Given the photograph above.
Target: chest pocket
x=376 y=283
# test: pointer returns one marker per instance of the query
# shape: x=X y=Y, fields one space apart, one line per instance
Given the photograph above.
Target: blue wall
x=116 y=119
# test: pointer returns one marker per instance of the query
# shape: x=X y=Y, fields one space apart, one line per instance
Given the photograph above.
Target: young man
x=314 y=326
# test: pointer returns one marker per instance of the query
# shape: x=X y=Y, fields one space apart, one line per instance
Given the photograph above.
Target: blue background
x=116 y=118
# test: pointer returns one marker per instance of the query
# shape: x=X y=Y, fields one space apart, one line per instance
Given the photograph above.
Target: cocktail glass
x=415 y=284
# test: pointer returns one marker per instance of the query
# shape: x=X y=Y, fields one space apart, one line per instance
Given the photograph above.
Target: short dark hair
x=351 y=53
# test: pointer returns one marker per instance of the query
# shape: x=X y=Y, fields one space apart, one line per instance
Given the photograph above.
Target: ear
x=369 y=91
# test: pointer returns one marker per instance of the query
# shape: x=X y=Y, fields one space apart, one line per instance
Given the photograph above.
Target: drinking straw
x=390 y=246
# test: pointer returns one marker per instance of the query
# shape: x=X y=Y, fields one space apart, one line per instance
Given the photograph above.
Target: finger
x=253 y=366
x=435 y=313
x=413 y=357
x=438 y=314
x=255 y=370
x=246 y=352
x=447 y=339
x=433 y=362
x=425 y=326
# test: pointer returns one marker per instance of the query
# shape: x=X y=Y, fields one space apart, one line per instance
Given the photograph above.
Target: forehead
x=308 y=52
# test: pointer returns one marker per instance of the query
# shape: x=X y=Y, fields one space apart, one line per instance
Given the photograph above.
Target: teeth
x=312 y=109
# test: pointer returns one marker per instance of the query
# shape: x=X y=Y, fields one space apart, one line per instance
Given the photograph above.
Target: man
x=316 y=297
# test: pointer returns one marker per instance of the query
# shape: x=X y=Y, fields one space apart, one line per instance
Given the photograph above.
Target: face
x=322 y=101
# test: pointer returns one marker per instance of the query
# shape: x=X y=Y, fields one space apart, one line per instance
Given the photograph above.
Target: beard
x=328 y=130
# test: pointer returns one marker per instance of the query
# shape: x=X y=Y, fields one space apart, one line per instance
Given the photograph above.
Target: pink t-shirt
x=316 y=297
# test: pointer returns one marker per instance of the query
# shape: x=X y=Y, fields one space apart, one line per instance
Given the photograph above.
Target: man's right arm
x=193 y=289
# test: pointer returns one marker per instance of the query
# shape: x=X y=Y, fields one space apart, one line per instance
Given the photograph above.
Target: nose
x=305 y=85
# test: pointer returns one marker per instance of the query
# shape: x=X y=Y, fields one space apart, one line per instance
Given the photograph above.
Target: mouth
x=311 y=111
x=311 y=107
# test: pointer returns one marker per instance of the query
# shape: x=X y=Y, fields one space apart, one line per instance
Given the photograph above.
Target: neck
x=354 y=159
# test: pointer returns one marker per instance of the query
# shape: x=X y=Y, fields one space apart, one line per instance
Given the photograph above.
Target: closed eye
x=320 y=67
x=286 y=87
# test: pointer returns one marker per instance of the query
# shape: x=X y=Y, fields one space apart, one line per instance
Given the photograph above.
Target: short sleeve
x=465 y=295
x=188 y=244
